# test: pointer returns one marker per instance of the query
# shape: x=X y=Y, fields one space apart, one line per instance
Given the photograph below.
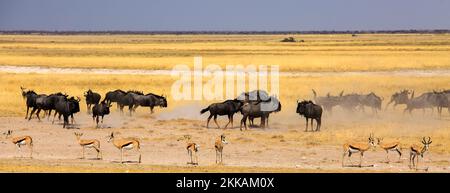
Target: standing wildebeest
x=228 y=107
x=149 y=100
x=254 y=96
x=439 y=100
x=259 y=109
x=98 y=110
x=129 y=100
x=399 y=98
x=327 y=102
x=421 y=102
x=92 y=98
x=371 y=100
x=114 y=97
x=47 y=103
x=30 y=97
x=67 y=108
x=310 y=111
x=349 y=102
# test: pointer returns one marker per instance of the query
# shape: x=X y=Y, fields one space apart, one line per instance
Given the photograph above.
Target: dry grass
x=317 y=53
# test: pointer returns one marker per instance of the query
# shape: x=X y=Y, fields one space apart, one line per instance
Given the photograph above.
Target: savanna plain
x=379 y=63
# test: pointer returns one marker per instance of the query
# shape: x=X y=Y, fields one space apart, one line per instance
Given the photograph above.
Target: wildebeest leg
x=319 y=123
x=97 y=120
x=215 y=121
x=53 y=121
x=26 y=116
x=37 y=114
x=87 y=107
x=306 y=130
x=73 y=119
x=31 y=114
x=229 y=121
x=312 y=124
x=151 y=109
x=130 y=108
x=102 y=118
x=263 y=122
x=209 y=118
x=243 y=121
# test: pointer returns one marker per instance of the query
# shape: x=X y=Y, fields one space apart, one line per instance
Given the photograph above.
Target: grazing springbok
x=350 y=148
x=218 y=145
x=125 y=144
x=393 y=146
x=416 y=150
x=192 y=149
x=88 y=143
x=20 y=141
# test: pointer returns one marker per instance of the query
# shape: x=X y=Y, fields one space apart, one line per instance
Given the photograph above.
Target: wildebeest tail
x=204 y=110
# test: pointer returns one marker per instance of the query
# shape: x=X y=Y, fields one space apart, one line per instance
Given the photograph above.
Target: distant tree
x=288 y=39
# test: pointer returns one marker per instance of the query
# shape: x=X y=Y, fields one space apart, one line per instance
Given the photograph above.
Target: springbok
x=350 y=148
x=192 y=149
x=127 y=144
x=220 y=142
x=88 y=143
x=393 y=146
x=416 y=150
x=20 y=141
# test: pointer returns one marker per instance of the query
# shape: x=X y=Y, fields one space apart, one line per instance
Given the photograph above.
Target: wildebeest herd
x=66 y=106
x=254 y=104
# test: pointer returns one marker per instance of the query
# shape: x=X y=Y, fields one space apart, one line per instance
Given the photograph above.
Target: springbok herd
x=249 y=104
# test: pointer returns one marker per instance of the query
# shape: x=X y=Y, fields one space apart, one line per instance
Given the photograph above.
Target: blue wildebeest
x=259 y=109
x=114 y=97
x=128 y=100
x=67 y=108
x=421 y=102
x=371 y=100
x=92 y=98
x=228 y=107
x=310 y=111
x=100 y=110
x=398 y=98
x=30 y=97
x=328 y=101
x=47 y=103
x=149 y=100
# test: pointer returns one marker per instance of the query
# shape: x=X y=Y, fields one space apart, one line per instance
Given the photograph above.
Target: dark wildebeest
x=399 y=98
x=92 y=98
x=129 y=100
x=266 y=114
x=114 y=97
x=349 y=102
x=100 y=110
x=421 y=102
x=327 y=102
x=254 y=96
x=259 y=109
x=47 y=103
x=30 y=97
x=439 y=100
x=310 y=111
x=371 y=100
x=149 y=100
x=228 y=107
x=67 y=108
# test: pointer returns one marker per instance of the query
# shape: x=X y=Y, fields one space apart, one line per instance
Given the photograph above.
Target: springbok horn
x=429 y=139
x=423 y=140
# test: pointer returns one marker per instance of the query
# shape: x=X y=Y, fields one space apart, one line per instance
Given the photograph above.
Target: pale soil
x=284 y=147
x=110 y=71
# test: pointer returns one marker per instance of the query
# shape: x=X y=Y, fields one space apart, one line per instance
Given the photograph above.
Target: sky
x=223 y=15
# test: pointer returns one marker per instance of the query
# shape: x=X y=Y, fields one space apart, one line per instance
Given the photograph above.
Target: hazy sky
x=258 y=15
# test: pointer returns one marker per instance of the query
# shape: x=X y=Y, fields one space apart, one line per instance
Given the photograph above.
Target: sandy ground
x=276 y=149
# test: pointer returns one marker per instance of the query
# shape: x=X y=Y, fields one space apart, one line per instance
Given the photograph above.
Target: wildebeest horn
x=298 y=101
x=23 y=89
x=78 y=99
